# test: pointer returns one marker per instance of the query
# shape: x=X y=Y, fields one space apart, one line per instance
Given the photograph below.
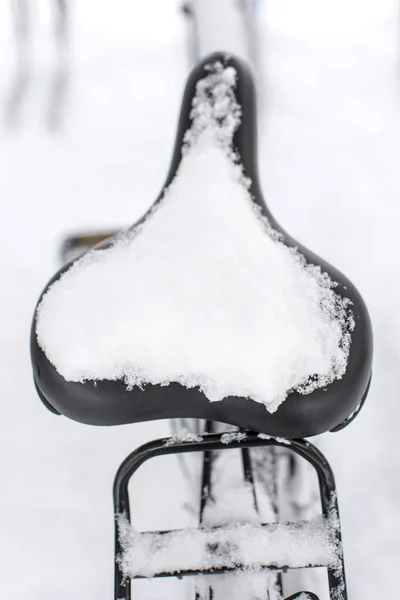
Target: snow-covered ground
x=329 y=148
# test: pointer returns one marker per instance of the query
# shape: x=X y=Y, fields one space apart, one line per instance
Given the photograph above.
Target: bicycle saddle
x=306 y=411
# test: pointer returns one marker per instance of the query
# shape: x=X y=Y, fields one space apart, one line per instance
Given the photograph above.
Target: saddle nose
x=244 y=135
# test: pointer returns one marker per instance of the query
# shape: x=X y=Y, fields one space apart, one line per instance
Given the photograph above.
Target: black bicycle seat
x=107 y=402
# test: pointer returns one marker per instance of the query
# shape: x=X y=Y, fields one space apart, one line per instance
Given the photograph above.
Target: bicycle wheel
x=226 y=25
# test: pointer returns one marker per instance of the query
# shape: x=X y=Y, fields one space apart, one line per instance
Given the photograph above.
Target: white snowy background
x=329 y=158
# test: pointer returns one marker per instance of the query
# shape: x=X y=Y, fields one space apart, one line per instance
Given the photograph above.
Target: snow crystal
x=281 y=440
x=238 y=436
x=247 y=545
x=202 y=292
x=183 y=436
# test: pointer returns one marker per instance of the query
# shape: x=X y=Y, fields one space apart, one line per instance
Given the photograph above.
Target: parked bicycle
x=77 y=375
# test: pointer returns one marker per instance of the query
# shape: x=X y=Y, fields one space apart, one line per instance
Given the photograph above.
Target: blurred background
x=89 y=98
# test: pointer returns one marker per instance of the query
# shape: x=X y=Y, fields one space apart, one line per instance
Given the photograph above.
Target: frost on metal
x=333 y=523
x=233 y=436
x=281 y=440
x=203 y=292
x=183 y=436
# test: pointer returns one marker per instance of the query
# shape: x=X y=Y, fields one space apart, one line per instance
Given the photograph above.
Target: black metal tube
x=206 y=491
x=248 y=474
x=330 y=510
x=206 y=476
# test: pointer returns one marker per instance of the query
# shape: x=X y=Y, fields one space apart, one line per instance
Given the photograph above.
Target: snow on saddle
x=205 y=308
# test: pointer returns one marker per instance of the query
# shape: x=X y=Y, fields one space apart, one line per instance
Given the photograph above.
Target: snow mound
x=202 y=292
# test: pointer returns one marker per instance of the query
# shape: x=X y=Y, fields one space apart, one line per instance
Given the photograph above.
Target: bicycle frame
x=209 y=443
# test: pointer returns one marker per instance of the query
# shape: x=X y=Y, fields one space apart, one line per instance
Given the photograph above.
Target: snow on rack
x=233 y=436
x=281 y=440
x=202 y=292
x=183 y=436
x=245 y=546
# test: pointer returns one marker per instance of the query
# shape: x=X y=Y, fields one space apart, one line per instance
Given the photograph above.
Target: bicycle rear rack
x=219 y=562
